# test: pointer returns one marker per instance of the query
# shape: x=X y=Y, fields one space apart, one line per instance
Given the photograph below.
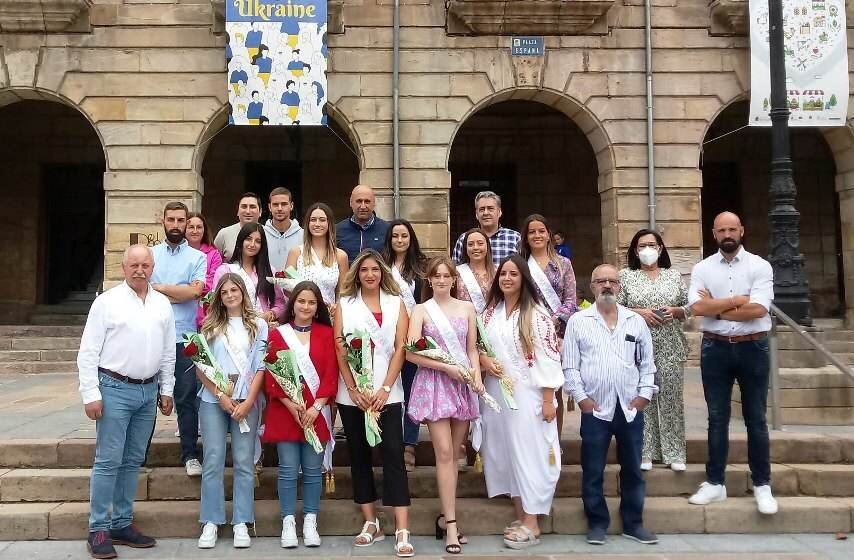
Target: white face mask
x=648 y=256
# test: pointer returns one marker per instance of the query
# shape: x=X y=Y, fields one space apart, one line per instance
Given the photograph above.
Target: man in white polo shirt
x=732 y=290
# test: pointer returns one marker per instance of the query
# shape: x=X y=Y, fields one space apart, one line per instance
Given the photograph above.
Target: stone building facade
x=128 y=96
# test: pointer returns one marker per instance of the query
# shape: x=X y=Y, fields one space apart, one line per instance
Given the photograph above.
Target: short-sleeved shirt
x=180 y=265
x=502 y=243
x=745 y=275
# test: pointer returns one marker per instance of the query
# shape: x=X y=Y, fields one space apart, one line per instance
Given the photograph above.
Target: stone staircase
x=39 y=348
x=44 y=489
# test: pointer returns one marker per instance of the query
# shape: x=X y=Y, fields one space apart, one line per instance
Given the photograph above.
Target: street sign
x=527 y=46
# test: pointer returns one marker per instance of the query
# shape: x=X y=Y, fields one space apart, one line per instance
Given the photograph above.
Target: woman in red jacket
x=307 y=331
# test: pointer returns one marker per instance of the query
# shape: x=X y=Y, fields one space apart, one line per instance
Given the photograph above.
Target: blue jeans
x=721 y=364
x=595 y=438
x=215 y=425
x=120 y=446
x=187 y=404
x=292 y=456
x=410 y=428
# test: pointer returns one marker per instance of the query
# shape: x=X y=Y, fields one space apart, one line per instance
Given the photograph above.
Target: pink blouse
x=214 y=260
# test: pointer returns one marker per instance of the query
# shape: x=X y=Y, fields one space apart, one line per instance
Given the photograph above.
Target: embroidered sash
x=251 y=288
x=542 y=281
x=446 y=331
x=467 y=276
x=405 y=289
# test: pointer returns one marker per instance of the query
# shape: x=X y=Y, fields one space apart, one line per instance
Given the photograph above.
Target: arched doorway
x=52 y=216
x=736 y=177
x=315 y=163
x=539 y=161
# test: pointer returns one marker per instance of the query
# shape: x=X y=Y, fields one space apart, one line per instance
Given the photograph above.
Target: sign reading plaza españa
x=277 y=55
x=816 y=52
x=527 y=46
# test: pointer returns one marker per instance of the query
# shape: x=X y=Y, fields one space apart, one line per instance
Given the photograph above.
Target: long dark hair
x=322 y=315
x=413 y=262
x=529 y=298
x=206 y=237
x=262 y=260
x=525 y=247
x=632 y=254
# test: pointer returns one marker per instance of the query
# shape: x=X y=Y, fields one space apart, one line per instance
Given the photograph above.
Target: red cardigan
x=280 y=424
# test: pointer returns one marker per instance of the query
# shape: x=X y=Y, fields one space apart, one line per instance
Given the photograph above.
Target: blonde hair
x=432 y=268
x=351 y=284
x=216 y=322
x=328 y=259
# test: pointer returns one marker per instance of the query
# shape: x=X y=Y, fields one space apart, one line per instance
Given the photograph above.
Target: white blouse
x=326 y=277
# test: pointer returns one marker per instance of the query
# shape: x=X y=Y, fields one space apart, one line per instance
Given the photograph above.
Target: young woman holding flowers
x=440 y=396
x=307 y=331
x=521 y=450
x=236 y=337
x=476 y=270
x=317 y=259
x=403 y=254
x=370 y=305
x=251 y=263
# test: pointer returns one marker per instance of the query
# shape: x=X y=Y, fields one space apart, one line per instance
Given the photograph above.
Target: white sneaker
x=194 y=467
x=310 y=536
x=765 y=502
x=289 y=532
x=646 y=466
x=208 y=538
x=177 y=432
x=708 y=493
x=241 y=536
x=678 y=467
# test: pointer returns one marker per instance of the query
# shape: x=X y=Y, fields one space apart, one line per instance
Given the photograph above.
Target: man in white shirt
x=732 y=290
x=126 y=354
x=248 y=211
x=610 y=372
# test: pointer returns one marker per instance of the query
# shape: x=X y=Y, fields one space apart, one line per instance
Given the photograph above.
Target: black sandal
x=452 y=548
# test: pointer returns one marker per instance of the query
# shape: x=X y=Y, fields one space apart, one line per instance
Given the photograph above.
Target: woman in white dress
x=318 y=259
x=520 y=448
x=403 y=255
x=370 y=302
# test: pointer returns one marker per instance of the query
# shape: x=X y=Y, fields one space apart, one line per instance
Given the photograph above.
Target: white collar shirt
x=608 y=366
x=129 y=336
x=745 y=275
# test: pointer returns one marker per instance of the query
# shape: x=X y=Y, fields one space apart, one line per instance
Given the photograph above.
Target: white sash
x=312 y=379
x=546 y=288
x=467 y=276
x=405 y=289
x=241 y=362
x=251 y=288
x=382 y=336
x=446 y=331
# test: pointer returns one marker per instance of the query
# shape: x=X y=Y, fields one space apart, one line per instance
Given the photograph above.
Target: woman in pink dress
x=199 y=237
x=440 y=397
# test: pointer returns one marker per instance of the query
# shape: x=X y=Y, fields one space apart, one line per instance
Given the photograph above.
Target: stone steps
x=68 y=366
x=173 y=484
x=478 y=516
x=786 y=448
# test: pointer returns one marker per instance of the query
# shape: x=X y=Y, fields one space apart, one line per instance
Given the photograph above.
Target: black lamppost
x=791 y=291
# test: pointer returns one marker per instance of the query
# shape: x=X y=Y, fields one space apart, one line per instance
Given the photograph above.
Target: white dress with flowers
x=521 y=452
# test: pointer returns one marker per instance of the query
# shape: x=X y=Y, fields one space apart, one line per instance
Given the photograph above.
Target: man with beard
x=248 y=210
x=732 y=290
x=610 y=372
x=179 y=274
x=282 y=231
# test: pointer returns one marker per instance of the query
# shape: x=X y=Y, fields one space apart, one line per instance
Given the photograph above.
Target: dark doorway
x=470 y=179
x=721 y=193
x=263 y=176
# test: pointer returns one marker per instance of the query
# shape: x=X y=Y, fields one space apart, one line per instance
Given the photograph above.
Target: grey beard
x=607 y=299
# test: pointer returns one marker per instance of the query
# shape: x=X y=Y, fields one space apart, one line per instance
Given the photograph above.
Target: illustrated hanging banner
x=276 y=54
x=816 y=50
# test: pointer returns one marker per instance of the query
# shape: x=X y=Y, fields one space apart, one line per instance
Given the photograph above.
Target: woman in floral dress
x=656 y=291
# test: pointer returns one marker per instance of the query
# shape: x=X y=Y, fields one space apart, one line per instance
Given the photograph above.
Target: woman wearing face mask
x=656 y=291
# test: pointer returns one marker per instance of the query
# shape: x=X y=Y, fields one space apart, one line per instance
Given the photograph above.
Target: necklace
x=301 y=329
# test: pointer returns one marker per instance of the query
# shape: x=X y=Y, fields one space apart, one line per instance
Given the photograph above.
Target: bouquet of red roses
x=285 y=279
x=429 y=348
x=196 y=348
x=359 y=356
x=282 y=365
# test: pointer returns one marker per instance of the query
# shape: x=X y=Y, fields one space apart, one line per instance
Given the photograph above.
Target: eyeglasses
x=603 y=281
x=647 y=245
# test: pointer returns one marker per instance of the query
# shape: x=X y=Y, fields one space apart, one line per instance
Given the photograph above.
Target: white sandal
x=521 y=538
x=403 y=548
x=368 y=537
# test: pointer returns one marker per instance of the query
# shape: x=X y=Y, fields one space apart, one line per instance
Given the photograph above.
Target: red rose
x=421 y=343
x=271 y=357
x=356 y=344
x=191 y=350
x=205 y=307
x=280 y=274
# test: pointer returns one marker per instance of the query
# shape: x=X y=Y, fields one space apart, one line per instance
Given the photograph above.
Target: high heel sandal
x=453 y=548
x=440 y=531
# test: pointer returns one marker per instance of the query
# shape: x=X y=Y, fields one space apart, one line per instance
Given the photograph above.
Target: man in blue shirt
x=255 y=110
x=362 y=230
x=179 y=274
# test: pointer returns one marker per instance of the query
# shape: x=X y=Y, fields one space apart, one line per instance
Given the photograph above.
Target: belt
x=736 y=339
x=125 y=378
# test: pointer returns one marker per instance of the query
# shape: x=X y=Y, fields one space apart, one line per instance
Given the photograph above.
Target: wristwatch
x=386 y=388
x=317 y=406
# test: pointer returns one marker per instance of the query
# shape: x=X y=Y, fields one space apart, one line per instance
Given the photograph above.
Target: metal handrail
x=777 y=313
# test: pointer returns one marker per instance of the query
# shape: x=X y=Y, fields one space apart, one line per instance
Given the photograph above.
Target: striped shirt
x=503 y=243
x=608 y=366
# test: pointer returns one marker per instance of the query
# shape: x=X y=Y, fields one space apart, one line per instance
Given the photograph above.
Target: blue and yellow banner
x=277 y=55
